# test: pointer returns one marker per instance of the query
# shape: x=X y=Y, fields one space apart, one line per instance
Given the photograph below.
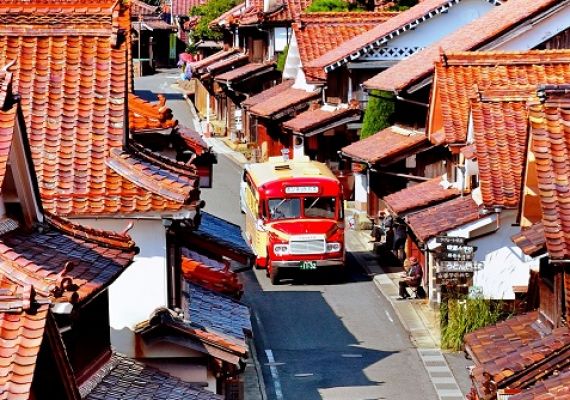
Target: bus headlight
x=333 y=247
x=281 y=249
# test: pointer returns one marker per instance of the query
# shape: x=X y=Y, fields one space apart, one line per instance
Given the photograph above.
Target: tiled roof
x=553 y=388
x=519 y=345
x=421 y=195
x=500 y=130
x=469 y=152
x=22 y=326
x=211 y=274
x=7 y=121
x=470 y=37
x=320 y=32
x=145 y=115
x=282 y=102
x=443 y=217
x=457 y=73
x=230 y=16
x=72 y=79
x=220 y=237
x=267 y=94
x=68 y=262
x=289 y=11
x=201 y=65
x=247 y=71
x=217 y=314
x=388 y=143
x=233 y=61
x=140 y=7
x=183 y=7
x=160 y=175
x=323 y=116
x=382 y=33
x=531 y=240
x=125 y=378
x=193 y=140
x=551 y=149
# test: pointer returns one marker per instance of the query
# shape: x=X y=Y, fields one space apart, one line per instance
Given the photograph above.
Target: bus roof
x=277 y=168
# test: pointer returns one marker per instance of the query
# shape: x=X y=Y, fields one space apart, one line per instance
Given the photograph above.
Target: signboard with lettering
x=454 y=261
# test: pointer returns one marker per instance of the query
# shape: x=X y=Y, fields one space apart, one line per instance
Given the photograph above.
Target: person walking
x=412 y=278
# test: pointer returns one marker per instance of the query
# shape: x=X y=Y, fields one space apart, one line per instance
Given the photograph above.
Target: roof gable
x=470 y=37
x=385 y=32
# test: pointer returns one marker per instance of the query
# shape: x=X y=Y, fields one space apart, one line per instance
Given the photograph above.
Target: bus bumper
x=333 y=262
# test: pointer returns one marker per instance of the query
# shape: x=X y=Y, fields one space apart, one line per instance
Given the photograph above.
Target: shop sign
x=453 y=278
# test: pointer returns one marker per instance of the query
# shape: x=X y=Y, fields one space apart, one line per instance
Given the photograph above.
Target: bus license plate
x=307 y=265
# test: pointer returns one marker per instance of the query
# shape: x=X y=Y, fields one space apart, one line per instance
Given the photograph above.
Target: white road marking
x=274 y=374
x=388 y=315
x=351 y=355
x=303 y=375
x=434 y=356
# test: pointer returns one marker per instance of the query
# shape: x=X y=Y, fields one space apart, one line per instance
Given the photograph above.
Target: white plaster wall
x=185 y=370
x=441 y=25
x=360 y=188
x=293 y=60
x=505 y=264
x=540 y=32
x=142 y=287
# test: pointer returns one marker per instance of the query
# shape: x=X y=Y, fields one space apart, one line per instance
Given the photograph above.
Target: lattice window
x=390 y=53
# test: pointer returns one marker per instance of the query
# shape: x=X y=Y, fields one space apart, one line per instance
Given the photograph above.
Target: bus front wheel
x=274 y=275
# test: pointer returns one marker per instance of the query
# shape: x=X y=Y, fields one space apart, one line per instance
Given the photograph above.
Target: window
x=284 y=208
x=319 y=207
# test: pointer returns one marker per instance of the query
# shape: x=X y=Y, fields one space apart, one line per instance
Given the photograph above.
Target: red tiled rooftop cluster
x=421 y=195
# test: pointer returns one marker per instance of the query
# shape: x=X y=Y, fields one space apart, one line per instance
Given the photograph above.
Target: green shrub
x=378 y=114
x=402 y=5
x=333 y=6
x=459 y=317
x=282 y=58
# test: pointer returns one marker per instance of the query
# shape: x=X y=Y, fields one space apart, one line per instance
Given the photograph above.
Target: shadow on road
x=314 y=351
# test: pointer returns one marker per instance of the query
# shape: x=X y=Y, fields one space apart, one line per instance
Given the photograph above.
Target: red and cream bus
x=293 y=215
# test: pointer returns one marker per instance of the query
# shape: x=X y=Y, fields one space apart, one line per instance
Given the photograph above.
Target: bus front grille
x=315 y=246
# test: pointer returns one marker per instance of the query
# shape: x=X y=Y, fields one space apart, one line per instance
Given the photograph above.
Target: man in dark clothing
x=412 y=278
x=400 y=235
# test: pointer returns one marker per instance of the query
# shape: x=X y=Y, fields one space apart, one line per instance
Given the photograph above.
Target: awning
x=387 y=146
x=313 y=122
x=284 y=103
x=244 y=73
x=421 y=195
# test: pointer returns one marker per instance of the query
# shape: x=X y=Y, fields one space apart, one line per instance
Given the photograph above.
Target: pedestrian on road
x=411 y=278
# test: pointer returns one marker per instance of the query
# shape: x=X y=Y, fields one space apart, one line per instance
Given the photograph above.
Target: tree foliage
x=207 y=13
x=379 y=113
x=401 y=5
x=334 y=6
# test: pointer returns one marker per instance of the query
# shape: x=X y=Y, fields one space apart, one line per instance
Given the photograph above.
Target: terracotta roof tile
x=469 y=152
x=386 y=30
x=267 y=94
x=388 y=143
x=282 y=102
x=320 y=32
x=123 y=378
x=324 y=116
x=227 y=64
x=456 y=74
x=443 y=217
x=160 y=175
x=550 y=146
x=512 y=347
x=193 y=140
x=73 y=91
x=421 y=195
x=470 y=37
x=145 y=115
x=7 y=121
x=554 y=388
x=230 y=17
x=142 y=8
x=200 y=66
x=21 y=334
x=183 y=7
x=531 y=240
x=247 y=71
x=212 y=274
x=67 y=262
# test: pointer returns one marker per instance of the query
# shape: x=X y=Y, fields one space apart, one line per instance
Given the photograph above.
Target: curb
x=258 y=370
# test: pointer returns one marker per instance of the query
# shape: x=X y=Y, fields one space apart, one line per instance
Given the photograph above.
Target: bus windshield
x=313 y=207
x=319 y=207
x=285 y=208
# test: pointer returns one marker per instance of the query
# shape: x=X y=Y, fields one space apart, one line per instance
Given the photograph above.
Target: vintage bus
x=293 y=216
